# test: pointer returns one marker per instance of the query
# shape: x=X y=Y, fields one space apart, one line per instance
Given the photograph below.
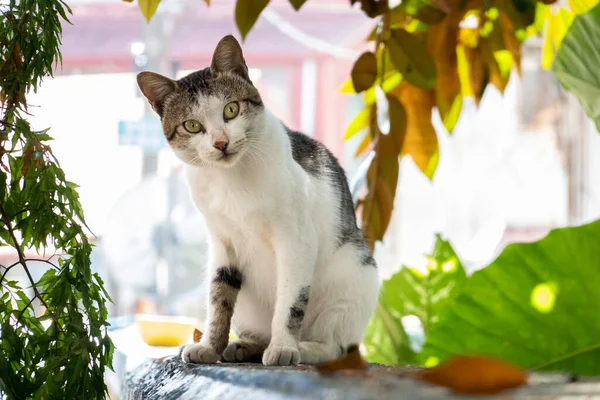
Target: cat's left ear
x=228 y=57
x=156 y=88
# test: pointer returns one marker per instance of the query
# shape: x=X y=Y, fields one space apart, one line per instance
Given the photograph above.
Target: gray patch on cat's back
x=368 y=260
x=320 y=163
x=307 y=152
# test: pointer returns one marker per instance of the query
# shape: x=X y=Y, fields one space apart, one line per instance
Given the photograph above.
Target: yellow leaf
x=364 y=72
x=246 y=14
x=560 y=24
x=363 y=145
x=421 y=141
x=148 y=8
x=513 y=45
x=495 y=74
x=477 y=73
x=392 y=81
x=468 y=37
x=452 y=116
x=556 y=29
x=505 y=61
x=582 y=6
x=442 y=42
x=360 y=122
x=542 y=14
x=464 y=71
x=548 y=47
x=347 y=87
x=547 y=52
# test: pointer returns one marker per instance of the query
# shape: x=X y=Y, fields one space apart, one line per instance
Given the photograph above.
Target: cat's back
x=319 y=163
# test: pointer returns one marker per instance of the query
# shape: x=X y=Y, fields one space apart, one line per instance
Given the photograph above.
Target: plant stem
x=23 y=262
x=8 y=269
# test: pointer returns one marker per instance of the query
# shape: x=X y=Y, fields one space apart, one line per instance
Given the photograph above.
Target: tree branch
x=8 y=269
x=23 y=262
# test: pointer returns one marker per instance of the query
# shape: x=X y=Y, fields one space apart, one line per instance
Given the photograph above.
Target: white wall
x=491 y=175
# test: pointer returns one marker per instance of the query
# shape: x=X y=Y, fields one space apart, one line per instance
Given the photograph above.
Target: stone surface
x=170 y=378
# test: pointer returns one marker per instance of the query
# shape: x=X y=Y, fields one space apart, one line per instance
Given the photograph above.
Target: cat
x=290 y=271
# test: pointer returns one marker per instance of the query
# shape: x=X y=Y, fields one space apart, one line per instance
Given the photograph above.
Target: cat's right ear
x=228 y=57
x=156 y=88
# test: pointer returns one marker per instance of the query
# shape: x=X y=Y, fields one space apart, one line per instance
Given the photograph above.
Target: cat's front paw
x=197 y=353
x=281 y=355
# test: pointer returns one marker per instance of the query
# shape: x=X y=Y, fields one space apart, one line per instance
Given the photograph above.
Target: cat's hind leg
x=341 y=306
x=248 y=348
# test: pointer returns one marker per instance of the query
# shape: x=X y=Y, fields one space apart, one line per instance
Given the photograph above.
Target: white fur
x=277 y=224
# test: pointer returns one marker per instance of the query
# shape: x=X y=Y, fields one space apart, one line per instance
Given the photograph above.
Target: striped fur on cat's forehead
x=198 y=89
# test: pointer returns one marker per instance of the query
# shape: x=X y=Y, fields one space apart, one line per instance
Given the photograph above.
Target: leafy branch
x=64 y=350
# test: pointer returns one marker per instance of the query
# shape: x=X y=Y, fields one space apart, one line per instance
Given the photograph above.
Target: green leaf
x=535 y=306
x=410 y=56
x=148 y=8
x=410 y=291
x=577 y=61
x=246 y=14
x=386 y=340
x=297 y=4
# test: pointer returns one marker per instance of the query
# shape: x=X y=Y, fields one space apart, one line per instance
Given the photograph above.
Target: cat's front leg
x=225 y=284
x=295 y=268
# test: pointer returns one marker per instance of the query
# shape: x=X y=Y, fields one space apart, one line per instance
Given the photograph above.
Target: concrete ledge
x=172 y=379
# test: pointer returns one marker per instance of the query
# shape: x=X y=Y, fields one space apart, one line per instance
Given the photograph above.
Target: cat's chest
x=234 y=198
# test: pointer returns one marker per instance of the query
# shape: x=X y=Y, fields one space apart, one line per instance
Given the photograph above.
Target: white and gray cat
x=290 y=270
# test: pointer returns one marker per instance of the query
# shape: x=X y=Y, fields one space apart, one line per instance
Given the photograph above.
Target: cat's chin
x=227 y=160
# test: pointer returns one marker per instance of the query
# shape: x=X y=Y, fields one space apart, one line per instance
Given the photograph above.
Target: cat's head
x=212 y=116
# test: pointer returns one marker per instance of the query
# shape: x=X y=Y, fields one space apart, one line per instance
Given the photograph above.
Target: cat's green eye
x=192 y=126
x=231 y=110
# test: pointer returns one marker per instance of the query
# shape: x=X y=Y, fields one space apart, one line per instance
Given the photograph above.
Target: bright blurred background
x=523 y=163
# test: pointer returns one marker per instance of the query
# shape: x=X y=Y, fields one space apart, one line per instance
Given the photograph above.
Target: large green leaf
x=536 y=306
x=409 y=54
x=577 y=61
x=386 y=340
x=411 y=292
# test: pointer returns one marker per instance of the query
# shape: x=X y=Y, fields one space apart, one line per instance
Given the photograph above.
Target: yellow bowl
x=160 y=330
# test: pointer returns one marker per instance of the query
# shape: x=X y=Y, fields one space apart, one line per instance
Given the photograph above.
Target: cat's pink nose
x=221 y=144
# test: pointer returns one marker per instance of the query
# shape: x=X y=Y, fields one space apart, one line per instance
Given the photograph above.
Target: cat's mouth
x=227 y=156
